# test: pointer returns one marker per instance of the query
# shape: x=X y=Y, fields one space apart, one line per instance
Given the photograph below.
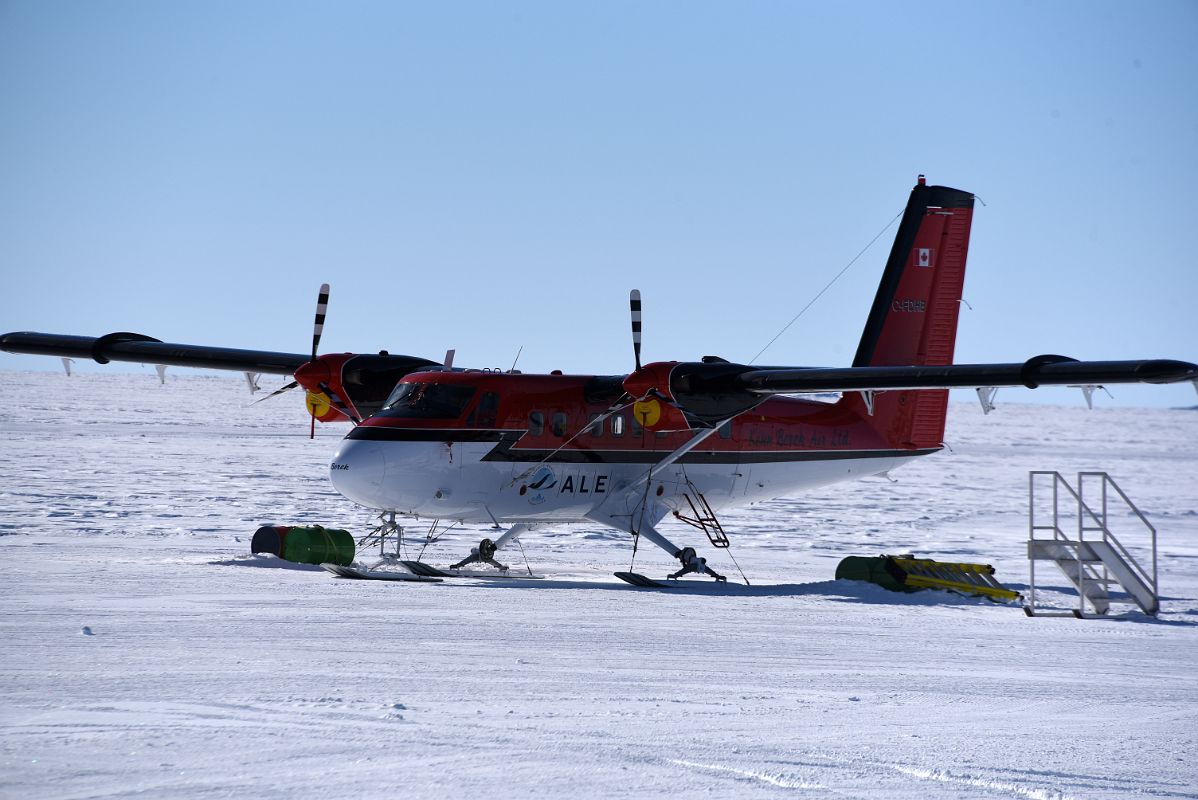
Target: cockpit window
x=428 y=400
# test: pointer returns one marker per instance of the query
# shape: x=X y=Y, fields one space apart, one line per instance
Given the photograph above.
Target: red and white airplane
x=687 y=439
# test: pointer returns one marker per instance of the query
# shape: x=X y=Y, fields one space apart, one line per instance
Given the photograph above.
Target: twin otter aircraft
x=686 y=439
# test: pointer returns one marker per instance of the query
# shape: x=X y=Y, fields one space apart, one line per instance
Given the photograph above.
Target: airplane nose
x=358 y=471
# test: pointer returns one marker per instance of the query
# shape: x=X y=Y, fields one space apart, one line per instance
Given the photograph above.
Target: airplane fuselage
x=488 y=447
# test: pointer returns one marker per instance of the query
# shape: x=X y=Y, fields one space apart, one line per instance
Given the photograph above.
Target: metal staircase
x=1094 y=565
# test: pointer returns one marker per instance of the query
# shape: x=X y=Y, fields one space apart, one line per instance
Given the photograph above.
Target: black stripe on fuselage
x=379 y=433
x=694 y=457
x=505 y=451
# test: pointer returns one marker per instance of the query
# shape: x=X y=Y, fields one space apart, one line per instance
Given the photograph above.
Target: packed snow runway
x=147 y=653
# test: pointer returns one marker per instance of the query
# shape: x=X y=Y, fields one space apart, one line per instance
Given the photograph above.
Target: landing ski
x=643 y=581
x=428 y=570
x=378 y=575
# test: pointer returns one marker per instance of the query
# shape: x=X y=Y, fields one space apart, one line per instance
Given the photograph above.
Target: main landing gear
x=690 y=560
x=483 y=554
x=693 y=562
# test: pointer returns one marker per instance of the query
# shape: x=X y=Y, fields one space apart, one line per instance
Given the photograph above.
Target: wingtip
x=1164 y=370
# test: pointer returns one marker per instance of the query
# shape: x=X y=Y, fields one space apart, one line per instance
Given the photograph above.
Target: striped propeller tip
x=322 y=307
x=634 y=304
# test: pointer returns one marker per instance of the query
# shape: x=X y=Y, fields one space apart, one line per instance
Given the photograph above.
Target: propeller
x=322 y=307
x=644 y=403
x=649 y=388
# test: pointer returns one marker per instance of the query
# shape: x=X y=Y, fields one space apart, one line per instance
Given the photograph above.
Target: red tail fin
x=914 y=316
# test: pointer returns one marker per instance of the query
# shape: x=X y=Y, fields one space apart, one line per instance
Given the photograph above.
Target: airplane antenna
x=826 y=288
x=514 y=360
x=634 y=304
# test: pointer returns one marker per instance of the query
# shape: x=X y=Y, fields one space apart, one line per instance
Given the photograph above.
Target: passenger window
x=596 y=425
x=726 y=430
x=558 y=428
x=536 y=423
x=637 y=430
x=617 y=425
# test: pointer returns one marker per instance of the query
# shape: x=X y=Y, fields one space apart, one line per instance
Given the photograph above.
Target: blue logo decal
x=542 y=481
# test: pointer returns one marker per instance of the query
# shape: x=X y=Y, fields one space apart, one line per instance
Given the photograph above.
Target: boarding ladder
x=1095 y=561
x=703 y=517
x=971 y=579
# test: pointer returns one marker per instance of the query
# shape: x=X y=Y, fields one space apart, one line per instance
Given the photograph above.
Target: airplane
x=686 y=440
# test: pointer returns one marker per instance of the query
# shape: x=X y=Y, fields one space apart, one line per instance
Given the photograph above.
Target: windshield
x=428 y=401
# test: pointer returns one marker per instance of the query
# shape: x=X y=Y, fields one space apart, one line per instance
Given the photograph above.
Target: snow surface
x=146 y=653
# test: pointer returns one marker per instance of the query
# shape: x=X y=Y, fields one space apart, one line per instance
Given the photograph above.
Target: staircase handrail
x=1057 y=534
x=1109 y=536
x=1058 y=478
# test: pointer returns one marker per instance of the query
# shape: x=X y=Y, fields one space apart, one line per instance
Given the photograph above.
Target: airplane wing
x=143 y=349
x=339 y=385
x=714 y=389
x=1046 y=370
x=354 y=386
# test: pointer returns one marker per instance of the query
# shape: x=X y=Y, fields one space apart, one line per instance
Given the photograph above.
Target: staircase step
x=1058 y=550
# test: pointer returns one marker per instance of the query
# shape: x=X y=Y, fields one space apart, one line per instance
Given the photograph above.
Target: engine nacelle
x=708 y=391
x=651 y=378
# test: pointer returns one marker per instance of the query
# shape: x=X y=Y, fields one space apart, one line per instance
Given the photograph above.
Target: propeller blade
x=339 y=404
x=286 y=388
x=634 y=304
x=322 y=306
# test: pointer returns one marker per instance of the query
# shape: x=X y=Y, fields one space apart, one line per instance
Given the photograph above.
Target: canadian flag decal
x=923 y=257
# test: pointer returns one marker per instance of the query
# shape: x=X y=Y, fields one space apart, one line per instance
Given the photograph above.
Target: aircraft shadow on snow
x=837 y=591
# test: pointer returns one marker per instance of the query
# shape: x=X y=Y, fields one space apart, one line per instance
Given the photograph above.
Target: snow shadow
x=264 y=561
x=836 y=591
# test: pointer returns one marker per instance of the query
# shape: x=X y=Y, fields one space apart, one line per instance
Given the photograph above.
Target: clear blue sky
x=485 y=176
